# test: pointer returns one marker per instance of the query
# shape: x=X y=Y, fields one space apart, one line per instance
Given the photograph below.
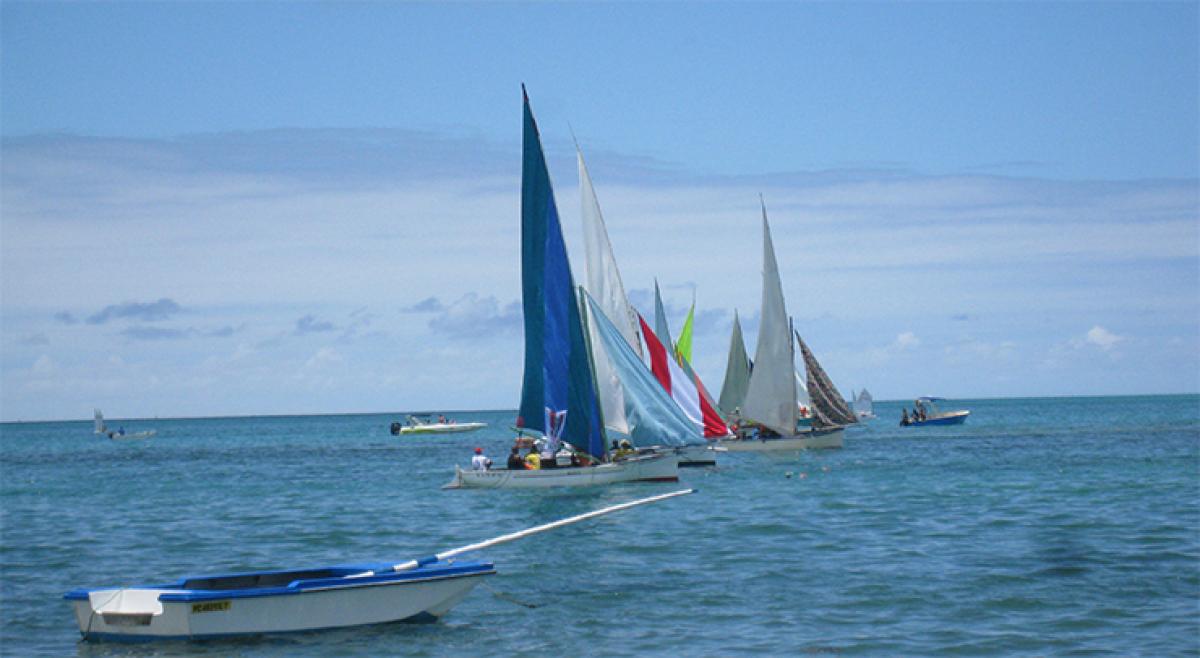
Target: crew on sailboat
x=515 y=462
x=480 y=462
x=533 y=461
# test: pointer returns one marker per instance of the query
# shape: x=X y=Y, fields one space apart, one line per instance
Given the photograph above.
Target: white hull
x=138 y=614
x=441 y=428
x=131 y=436
x=697 y=456
x=808 y=441
x=663 y=467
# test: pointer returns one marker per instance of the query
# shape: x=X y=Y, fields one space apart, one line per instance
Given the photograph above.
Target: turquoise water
x=1042 y=526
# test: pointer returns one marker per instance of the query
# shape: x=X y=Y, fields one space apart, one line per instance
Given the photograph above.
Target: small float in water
x=264 y=602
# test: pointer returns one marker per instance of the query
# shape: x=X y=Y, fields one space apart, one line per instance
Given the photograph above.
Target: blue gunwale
x=426 y=572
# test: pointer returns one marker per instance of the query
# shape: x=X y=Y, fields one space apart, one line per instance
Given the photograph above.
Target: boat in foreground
x=274 y=601
x=262 y=602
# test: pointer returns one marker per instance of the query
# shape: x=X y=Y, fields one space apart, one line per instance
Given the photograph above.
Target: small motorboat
x=426 y=425
x=264 y=602
x=933 y=415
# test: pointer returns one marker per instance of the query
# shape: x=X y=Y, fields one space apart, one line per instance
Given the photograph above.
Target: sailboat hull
x=695 y=456
x=814 y=440
x=662 y=467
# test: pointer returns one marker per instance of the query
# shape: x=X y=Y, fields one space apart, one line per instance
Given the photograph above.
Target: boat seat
x=127 y=602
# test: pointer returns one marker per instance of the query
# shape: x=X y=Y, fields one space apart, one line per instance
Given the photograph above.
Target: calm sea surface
x=1042 y=526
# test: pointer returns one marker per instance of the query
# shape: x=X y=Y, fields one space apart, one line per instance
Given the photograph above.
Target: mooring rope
x=508 y=597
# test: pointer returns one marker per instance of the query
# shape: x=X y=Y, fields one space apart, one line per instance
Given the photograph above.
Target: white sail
x=604 y=285
x=99 y=423
x=771 y=396
x=603 y=278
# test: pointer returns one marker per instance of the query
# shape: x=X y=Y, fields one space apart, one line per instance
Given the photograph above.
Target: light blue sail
x=654 y=418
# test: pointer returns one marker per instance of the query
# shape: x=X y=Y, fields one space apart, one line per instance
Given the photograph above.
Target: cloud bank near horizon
x=336 y=270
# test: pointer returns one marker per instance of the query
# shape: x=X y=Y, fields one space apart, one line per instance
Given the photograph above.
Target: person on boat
x=121 y=431
x=533 y=461
x=515 y=463
x=480 y=462
x=903 y=416
x=442 y=419
x=625 y=450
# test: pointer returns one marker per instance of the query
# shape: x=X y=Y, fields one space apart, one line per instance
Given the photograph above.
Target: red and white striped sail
x=685 y=391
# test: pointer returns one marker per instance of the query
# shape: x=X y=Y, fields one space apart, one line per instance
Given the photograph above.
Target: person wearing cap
x=480 y=462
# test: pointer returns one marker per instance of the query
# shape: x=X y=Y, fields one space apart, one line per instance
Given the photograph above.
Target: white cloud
x=905 y=342
x=1102 y=338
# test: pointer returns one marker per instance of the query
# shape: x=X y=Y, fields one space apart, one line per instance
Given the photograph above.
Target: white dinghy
x=262 y=602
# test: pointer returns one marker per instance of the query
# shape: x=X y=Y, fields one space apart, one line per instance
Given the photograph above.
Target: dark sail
x=829 y=409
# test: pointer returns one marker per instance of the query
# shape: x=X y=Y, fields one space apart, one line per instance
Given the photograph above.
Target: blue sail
x=654 y=418
x=558 y=395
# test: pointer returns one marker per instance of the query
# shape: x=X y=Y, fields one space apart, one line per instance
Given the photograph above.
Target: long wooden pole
x=413 y=564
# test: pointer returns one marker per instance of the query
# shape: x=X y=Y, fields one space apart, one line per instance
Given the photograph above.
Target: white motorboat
x=426 y=425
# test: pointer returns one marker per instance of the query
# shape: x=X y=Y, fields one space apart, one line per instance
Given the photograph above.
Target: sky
x=264 y=208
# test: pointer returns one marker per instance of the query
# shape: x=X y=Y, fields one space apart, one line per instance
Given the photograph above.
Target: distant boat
x=933 y=415
x=262 y=602
x=422 y=424
x=119 y=434
x=863 y=404
x=770 y=413
x=569 y=380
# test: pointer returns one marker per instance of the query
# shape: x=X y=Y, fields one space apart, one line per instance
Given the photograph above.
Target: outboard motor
x=395 y=428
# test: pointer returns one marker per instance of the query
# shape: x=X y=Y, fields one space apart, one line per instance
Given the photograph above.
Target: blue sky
x=243 y=208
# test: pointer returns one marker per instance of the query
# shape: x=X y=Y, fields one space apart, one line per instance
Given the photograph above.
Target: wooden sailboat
x=570 y=379
x=770 y=410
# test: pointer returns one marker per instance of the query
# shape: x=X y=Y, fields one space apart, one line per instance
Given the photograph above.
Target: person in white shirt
x=480 y=462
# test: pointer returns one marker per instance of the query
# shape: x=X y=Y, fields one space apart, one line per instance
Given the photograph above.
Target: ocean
x=1050 y=526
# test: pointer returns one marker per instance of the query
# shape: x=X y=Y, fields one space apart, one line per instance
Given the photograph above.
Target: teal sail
x=558 y=394
x=654 y=418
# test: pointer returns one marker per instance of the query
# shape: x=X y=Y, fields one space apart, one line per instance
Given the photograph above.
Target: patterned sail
x=558 y=396
x=683 y=386
x=654 y=418
x=771 y=395
x=829 y=409
x=737 y=372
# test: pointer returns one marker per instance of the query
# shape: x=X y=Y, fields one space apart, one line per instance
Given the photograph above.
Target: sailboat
x=863 y=404
x=605 y=286
x=119 y=434
x=771 y=406
x=561 y=392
